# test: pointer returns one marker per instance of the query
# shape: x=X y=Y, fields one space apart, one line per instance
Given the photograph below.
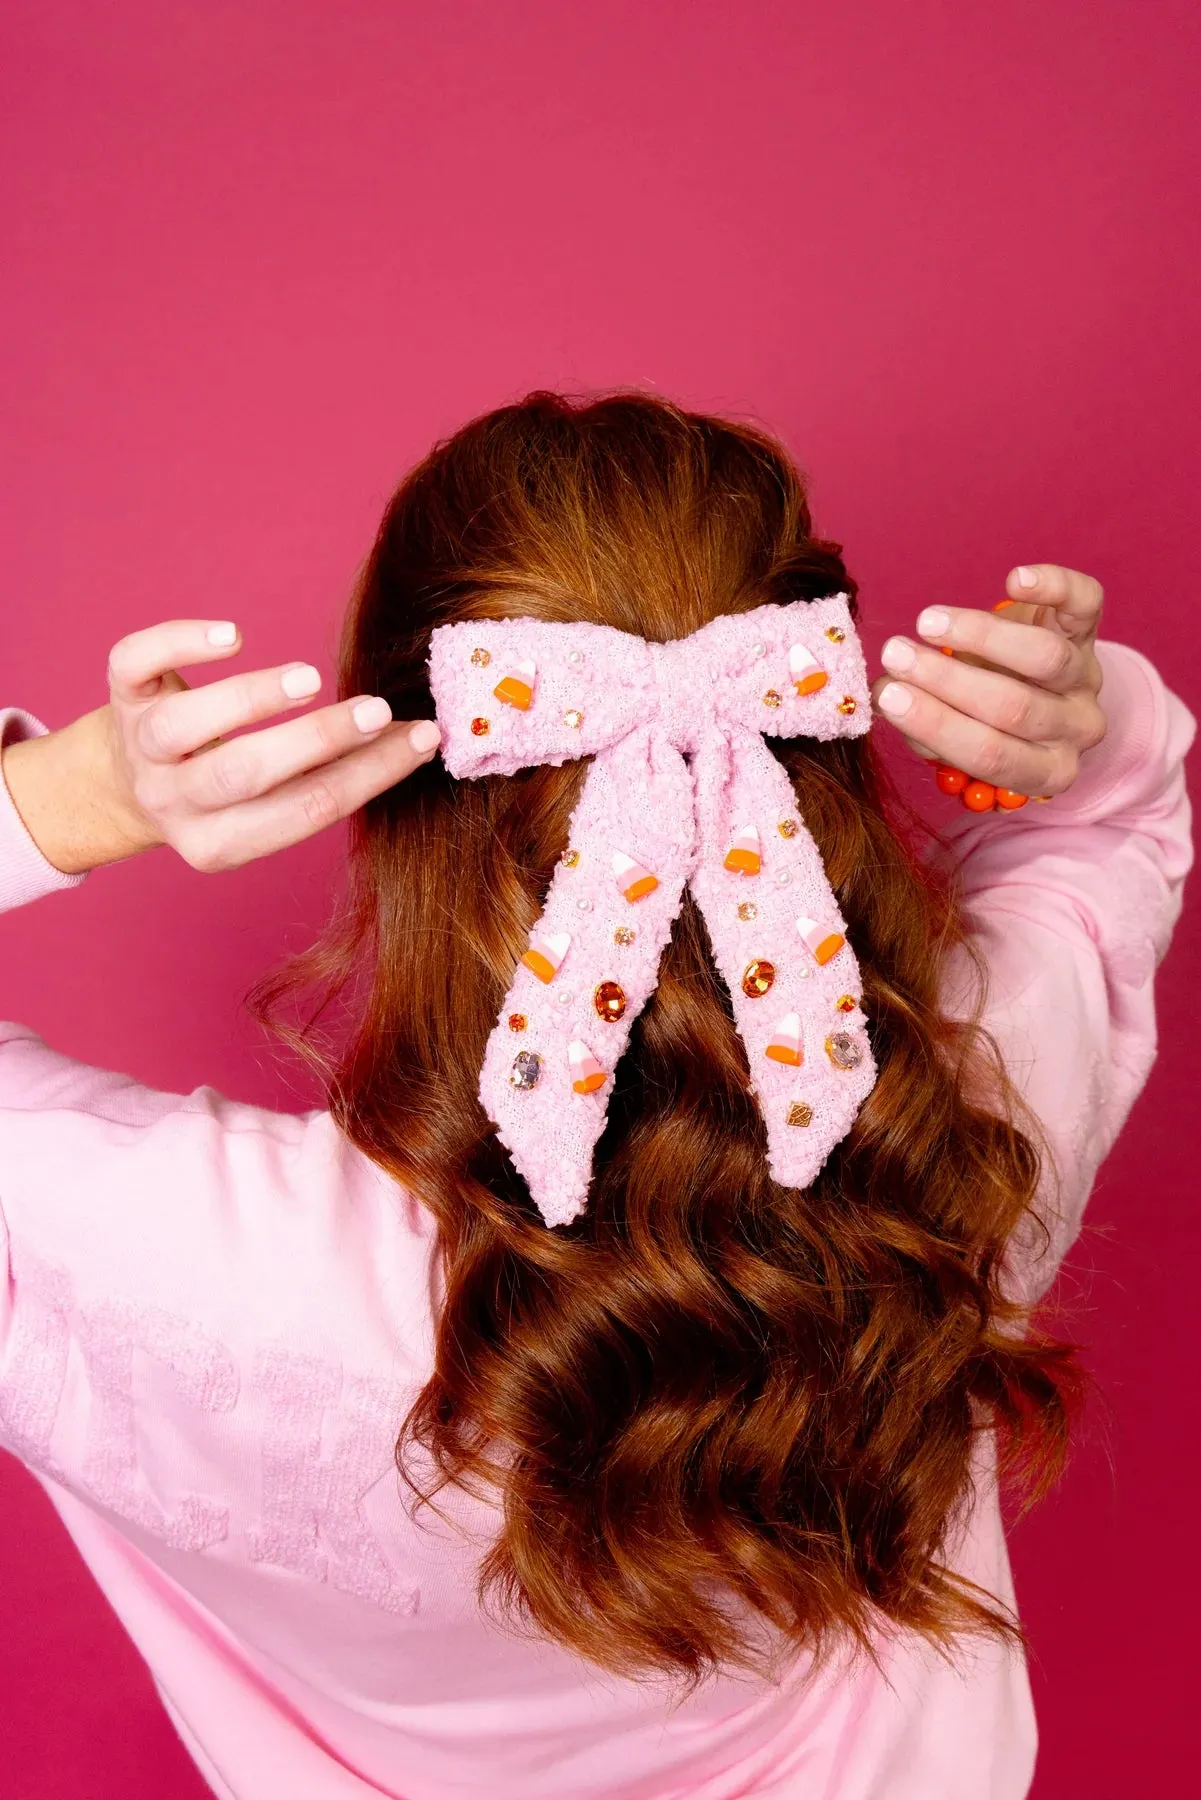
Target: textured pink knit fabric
x=213 y=1318
x=641 y=710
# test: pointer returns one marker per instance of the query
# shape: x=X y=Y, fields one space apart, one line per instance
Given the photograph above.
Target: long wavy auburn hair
x=717 y=1413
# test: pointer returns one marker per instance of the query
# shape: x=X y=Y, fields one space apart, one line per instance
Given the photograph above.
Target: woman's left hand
x=1017 y=704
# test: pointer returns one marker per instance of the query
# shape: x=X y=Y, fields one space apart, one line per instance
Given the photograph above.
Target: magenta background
x=258 y=255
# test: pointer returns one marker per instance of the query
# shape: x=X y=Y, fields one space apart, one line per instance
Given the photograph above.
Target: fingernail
x=893 y=698
x=371 y=715
x=223 y=634
x=1027 y=577
x=934 y=622
x=300 y=682
x=897 y=655
x=425 y=736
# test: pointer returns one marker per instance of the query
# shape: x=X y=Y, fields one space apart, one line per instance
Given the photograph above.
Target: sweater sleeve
x=1072 y=906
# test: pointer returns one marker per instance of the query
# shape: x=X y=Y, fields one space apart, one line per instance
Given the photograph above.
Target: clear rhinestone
x=481 y=658
x=771 y=698
x=625 y=934
x=844 y=1051
x=747 y=910
x=526 y=1070
x=573 y=717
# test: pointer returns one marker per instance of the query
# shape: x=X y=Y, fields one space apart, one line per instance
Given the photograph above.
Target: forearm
x=68 y=792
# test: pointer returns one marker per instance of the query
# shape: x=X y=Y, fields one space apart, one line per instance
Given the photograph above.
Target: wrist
x=69 y=791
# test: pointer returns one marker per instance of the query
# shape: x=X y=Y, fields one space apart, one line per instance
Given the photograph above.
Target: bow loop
x=682 y=789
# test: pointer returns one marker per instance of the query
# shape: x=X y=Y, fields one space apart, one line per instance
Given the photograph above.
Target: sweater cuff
x=24 y=872
x=1127 y=764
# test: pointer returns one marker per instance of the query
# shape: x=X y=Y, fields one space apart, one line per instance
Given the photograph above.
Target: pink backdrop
x=259 y=254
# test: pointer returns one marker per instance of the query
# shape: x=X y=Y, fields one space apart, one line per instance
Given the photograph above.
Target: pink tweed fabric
x=681 y=781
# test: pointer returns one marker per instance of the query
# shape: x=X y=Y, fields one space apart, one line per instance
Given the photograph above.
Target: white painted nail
x=895 y=699
x=934 y=622
x=897 y=655
x=300 y=682
x=1027 y=577
x=222 y=635
x=425 y=736
x=372 y=714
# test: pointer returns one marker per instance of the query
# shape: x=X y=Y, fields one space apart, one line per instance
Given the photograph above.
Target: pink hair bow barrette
x=682 y=789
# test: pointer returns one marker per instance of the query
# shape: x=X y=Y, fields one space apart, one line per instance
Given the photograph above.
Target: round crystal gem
x=846 y=1003
x=609 y=1000
x=747 y=910
x=835 y=633
x=526 y=1070
x=757 y=978
x=844 y=1051
x=481 y=658
x=788 y=828
x=480 y=727
x=570 y=858
x=625 y=934
x=517 y=1021
x=771 y=698
x=573 y=717
x=847 y=704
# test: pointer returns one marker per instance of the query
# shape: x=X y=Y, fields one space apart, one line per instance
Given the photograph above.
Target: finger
x=966 y=743
x=990 y=695
x=179 y=724
x=310 y=803
x=253 y=765
x=1036 y=652
x=138 y=663
x=1076 y=598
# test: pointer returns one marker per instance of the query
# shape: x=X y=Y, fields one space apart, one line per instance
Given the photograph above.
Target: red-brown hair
x=712 y=1402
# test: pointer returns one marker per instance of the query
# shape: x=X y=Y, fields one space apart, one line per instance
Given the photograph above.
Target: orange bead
x=1009 y=800
x=946 y=649
x=948 y=780
x=1003 y=603
x=979 y=796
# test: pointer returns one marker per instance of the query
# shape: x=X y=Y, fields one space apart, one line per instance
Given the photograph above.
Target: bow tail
x=590 y=967
x=779 y=942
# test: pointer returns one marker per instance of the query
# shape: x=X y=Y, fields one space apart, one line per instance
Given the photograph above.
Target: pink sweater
x=215 y=1316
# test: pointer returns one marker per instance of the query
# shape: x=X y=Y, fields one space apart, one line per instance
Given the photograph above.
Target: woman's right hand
x=156 y=765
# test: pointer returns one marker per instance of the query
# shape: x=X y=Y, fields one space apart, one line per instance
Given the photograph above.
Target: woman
x=606 y=1464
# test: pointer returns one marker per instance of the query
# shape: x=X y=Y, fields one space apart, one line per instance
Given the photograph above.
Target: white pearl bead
x=758 y=649
x=783 y=877
x=574 y=658
x=584 y=905
x=563 y=999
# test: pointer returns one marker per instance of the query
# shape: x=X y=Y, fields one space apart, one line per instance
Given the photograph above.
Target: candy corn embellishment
x=784 y=1045
x=805 y=671
x=545 y=954
x=743 y=856
x=517 y=687
x=823 y=942
x=632 y=879
x=586 y=1073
